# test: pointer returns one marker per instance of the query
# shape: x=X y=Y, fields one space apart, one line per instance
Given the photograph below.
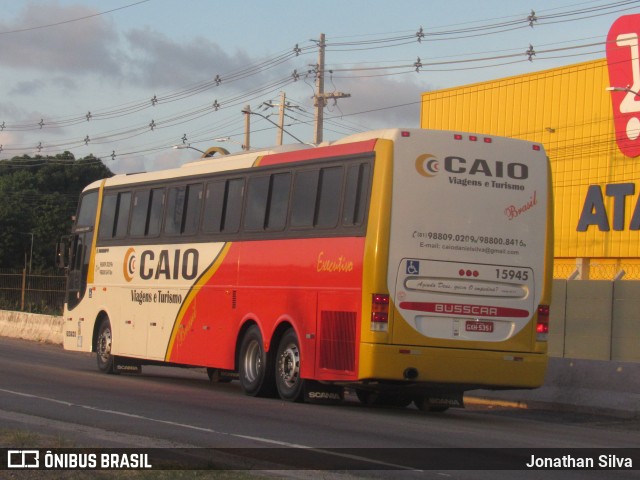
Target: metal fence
x=597 y=271
x=20 y=291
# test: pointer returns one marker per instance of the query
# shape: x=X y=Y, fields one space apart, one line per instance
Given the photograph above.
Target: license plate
x=471 y=326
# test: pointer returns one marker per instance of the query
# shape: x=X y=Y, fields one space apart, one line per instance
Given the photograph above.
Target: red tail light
x=542 y=326
x=380 y=312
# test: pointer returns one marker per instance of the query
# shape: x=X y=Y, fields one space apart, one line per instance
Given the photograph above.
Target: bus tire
x=288 y=381
x=104 y=342
x=255 y=370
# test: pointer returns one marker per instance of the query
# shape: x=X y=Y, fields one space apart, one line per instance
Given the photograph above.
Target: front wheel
x=104 y=342
x=255 y=368
x=288 y=379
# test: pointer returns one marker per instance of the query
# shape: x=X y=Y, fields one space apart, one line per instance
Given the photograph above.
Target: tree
x=39 y=197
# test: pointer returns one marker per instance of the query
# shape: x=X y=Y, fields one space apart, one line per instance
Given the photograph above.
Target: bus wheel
x=106 y=361
x=255 y=371
x=288 y=379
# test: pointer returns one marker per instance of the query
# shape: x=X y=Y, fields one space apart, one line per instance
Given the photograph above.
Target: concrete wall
x=595 y=320
x=31 y=326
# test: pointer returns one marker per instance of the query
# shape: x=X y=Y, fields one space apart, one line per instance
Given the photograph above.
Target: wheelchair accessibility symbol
x=413 y=267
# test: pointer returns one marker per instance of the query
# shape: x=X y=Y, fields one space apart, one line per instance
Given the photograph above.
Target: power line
x=65 y=22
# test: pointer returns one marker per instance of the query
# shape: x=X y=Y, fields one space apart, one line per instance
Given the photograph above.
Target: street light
x=184 y=146
x=210 y=152
x=622 y=89
x=230 y=140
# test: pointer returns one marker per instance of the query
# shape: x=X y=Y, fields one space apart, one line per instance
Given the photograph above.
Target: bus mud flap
x=436 y=400
x=125 y=365
x=316 y=392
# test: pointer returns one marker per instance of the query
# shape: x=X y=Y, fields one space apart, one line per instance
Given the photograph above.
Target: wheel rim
x=104 y=345
x=253 y=362
x=289 y=366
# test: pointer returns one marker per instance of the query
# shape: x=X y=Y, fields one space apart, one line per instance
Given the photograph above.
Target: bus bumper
x=464 y=369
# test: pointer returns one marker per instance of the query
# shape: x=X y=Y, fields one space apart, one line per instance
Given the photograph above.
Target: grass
x=17 y=439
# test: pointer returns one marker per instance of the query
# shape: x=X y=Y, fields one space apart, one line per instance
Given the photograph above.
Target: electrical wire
x=270 y=63
x=65 y=22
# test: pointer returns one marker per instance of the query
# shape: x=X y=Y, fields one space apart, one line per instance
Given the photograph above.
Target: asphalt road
x=49 y=391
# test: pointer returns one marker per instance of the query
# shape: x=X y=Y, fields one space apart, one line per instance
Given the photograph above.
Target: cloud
x=158 y=61
x=78 y=47
x=380 y=102
x=28 y=87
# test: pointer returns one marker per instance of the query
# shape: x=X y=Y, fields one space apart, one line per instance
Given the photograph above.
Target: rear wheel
x=255 y=369
x=104 y=342
x=288 y=379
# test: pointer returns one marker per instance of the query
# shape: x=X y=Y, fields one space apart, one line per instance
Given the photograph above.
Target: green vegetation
x=39 y=196
x=24 y=439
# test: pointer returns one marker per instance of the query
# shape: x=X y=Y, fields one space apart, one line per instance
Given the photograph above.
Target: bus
x=403 y=265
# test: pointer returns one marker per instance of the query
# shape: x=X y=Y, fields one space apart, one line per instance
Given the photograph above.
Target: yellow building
x=596 y=187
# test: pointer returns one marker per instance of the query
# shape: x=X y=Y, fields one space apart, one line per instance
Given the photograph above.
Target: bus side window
x=146 y=217
x=122 y=214
x=175 y=210
x=107 y=216
x=139 y=213
x=87 y=213
x=356 y=193
x=183 y=210
x=279 y=188
x=329 y=197
x=317 y=196
x=115 y=215
x=193 y=206
x=223 y=206
x=303 y=202
x=154 y=219
x=268 y=202
x=257 y=201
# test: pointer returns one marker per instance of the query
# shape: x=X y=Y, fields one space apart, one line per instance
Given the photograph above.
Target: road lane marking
x=209 y=430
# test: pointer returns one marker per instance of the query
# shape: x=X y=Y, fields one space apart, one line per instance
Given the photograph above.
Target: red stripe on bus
x=465 y=309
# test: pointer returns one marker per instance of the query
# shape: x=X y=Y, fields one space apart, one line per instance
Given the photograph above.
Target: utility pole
x=320 y=98
x=247 y=127
x=283 y=97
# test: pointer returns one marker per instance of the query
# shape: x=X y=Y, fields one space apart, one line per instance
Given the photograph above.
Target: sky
x=127 y=80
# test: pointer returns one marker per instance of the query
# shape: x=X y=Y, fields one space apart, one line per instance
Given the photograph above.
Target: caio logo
x=129 y=265
x=624 y=81
x=427 y=165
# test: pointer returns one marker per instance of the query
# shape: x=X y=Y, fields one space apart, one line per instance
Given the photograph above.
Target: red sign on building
x=624 y=80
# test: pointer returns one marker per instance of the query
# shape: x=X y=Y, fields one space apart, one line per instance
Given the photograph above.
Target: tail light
x=542 y=326
x=380 y=312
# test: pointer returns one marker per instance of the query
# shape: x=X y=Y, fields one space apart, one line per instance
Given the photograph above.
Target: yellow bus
x=407 y=265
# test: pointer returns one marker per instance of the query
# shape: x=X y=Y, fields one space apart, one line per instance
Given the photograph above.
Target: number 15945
x=512 y=274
